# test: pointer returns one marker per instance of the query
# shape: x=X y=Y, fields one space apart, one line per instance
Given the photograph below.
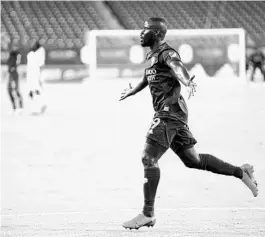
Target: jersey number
x=155 y=123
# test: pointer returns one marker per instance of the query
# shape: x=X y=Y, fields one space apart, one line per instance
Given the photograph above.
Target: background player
x=169 y=128
x=13 y=81
x=35 y=60
x=257 y=61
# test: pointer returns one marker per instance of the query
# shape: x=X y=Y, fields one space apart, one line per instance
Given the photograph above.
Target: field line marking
x=130 y=210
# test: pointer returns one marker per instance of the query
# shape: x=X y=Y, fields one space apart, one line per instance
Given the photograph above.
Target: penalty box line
x=132 y=210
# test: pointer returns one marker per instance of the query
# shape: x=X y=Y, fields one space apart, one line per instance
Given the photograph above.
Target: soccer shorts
x=170 y=133
x=170 y=129
x=13 y=83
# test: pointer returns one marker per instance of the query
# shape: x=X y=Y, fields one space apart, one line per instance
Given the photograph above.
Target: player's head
x=155 y=29
x=13 y=53
x=36 y=46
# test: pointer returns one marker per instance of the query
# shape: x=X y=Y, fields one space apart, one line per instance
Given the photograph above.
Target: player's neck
x=156 y=45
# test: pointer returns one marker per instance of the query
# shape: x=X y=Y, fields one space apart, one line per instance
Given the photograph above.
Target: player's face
x=147 y=36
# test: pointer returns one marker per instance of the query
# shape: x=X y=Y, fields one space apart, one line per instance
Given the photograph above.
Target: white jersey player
x=35 y=60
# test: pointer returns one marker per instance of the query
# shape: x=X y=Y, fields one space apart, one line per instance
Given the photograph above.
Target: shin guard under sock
x=152 y=177
x=215 y=165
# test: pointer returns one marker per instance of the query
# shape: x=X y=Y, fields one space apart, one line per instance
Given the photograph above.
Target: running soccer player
x=35 y=60
x=170 y=123
x=13 y=81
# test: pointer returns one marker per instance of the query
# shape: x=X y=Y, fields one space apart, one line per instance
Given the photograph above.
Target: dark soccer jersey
x=164 y=87
x=258 y=58
x=12 y=61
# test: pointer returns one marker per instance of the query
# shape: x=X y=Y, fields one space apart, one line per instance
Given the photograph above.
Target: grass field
x=76 y=171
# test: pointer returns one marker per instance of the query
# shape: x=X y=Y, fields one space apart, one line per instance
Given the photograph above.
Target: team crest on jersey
x=172 y=54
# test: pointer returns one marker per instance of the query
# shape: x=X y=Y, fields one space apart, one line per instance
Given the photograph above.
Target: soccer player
x=13 y=81
x=257 y=60
x=170 y=124
x=35 y=60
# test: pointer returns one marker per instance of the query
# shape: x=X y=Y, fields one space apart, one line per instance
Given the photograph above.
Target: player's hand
x=191 y=87
x=126 y=92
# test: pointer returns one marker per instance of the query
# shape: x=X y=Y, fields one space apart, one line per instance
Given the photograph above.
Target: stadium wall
x=61 y=65
x=70 y=73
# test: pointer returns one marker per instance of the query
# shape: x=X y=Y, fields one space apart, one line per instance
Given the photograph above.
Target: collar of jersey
x=150 y=53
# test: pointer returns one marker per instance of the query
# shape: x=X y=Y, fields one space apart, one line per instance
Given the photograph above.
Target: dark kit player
x=13 y=80
x=257 y=60
x=170 y=124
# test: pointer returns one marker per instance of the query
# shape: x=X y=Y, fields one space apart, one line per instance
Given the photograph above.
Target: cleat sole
x=150 y=224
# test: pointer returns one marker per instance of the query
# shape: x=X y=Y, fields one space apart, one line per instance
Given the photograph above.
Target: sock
x=152 y=176
x=20 y=100
x=215 y=165
x=12 y=99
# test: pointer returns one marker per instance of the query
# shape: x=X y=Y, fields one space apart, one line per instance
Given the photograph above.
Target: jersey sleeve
x=170 y=55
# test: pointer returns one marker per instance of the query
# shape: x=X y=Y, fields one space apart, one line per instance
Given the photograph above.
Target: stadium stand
x=193 y=15
x=61 y=24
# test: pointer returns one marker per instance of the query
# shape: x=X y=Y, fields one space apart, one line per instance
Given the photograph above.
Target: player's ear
x=157 y=32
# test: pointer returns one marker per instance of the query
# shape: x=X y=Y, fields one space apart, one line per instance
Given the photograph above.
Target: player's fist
x=127 y=92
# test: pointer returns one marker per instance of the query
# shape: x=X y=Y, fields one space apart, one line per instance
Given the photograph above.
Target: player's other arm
x=181 y=72
x=132 y=91
x=18 y=61
x=183 y=76
x=172 y=59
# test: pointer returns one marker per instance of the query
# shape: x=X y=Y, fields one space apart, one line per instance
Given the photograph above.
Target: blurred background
x=63 y=28
x=76 y=169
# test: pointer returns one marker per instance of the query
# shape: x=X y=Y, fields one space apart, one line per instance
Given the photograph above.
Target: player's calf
x=12 y=98
x=152 y=176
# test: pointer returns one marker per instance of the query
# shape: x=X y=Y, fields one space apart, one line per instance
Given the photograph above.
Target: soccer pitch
x=76 y=171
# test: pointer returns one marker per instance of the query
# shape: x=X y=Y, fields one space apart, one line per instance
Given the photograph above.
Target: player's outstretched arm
x=132 y=91
x=183 y=76
x=18 y=59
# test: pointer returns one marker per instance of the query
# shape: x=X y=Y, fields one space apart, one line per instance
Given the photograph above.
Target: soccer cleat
x=249 y=180
x=18 y=112
x=43 y=109
x=139 y=221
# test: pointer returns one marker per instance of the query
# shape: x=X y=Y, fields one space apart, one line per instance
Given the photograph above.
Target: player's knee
x=149 y=161
x=9 y=90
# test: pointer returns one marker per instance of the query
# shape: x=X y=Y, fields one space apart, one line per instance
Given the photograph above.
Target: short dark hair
x=162 y=25
x=13 y=52
x=158 y=19
x=36 y=45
